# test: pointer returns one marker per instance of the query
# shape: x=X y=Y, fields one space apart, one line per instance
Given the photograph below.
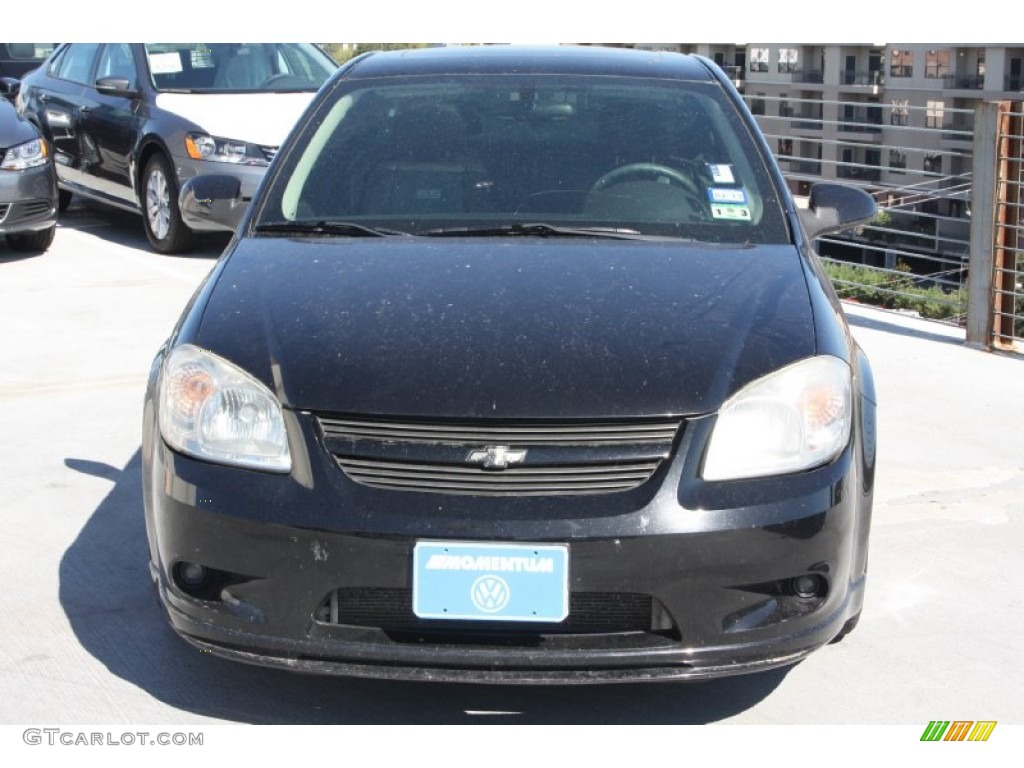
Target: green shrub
x=894 y=290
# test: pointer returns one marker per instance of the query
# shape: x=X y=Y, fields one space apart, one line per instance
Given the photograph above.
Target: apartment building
x=893 y=117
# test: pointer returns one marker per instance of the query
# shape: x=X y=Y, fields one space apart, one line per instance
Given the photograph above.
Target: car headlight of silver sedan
x=793 y=419
x=203 y=147
x=214 y=410
x=21 y=157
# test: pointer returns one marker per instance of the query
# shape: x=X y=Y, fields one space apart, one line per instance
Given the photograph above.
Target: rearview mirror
x=9 y=87
x=835 y=207
x=206 y=200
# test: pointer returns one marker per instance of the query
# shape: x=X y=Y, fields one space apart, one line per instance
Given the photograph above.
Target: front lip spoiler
x=580 y=676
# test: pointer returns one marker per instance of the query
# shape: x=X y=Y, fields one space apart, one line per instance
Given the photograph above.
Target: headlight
x=202 y=147
x=790 y=420
x=214 y=410
x=21 y=157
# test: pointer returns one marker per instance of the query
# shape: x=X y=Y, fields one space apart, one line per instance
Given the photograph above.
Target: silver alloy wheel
x=158 y=204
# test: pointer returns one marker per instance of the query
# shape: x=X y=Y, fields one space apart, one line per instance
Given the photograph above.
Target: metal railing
x=915 y=256
x=948 y=184
x=996 y=302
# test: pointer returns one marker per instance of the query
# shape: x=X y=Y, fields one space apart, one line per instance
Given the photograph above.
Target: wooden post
x=1008 y=222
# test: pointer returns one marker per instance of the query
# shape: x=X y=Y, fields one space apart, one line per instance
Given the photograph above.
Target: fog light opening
x=191 y=576
x=808 y=586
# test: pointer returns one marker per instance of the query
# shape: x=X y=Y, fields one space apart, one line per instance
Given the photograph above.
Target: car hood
x=506 y=328
x=14 y=129
x=258 y=118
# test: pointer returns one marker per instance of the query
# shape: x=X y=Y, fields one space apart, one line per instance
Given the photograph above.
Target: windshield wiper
x=344 y=228
x=535 y=230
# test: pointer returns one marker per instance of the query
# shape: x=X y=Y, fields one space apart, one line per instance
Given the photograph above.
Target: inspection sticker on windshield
x=731 y=212
x=490 y=582
x=165 y=63
x=721 y=174
x=719 y=195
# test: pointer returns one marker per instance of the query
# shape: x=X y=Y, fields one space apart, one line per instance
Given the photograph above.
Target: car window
x=53 y=67
x=232 y=67
x=657 y=157
x=116 y=61
x=30 y=51
x=76 y=63
x=296 y=60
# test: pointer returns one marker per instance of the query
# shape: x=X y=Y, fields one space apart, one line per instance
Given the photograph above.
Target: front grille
x=268 y=152
x=507 y=434
x=439 y=478
x=391 y=610
x=507 y=459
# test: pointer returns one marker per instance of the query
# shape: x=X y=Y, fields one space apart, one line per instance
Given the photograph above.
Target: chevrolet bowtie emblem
x=497 y=456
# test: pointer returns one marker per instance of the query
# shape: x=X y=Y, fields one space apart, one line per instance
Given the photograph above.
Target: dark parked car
x=28 y=184
x=18 y=58
x=519 y=368
x=130 y=122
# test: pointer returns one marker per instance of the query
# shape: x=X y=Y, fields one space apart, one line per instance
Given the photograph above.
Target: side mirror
x=206 y=200
x=116 y=86
x=835 y=207
x=9 y=87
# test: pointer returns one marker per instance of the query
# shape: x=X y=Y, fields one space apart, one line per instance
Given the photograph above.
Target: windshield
x=234 y=67
x=475 y=154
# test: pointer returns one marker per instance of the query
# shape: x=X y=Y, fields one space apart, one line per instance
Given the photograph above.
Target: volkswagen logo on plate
x=490 y=593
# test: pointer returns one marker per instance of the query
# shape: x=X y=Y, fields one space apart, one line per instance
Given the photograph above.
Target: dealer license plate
x=490 y=582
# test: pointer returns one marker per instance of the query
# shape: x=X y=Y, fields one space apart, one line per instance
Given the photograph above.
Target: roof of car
x=496 y=59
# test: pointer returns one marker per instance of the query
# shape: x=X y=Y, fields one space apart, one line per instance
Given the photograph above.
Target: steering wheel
x=624 y=172
x=276 y=79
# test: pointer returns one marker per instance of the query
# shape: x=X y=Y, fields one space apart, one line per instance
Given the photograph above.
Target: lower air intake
x=589 y=613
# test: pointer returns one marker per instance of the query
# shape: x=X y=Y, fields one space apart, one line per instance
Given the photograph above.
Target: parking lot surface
x=84 y=641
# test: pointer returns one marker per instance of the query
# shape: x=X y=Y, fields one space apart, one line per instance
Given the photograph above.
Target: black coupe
x=520 y=367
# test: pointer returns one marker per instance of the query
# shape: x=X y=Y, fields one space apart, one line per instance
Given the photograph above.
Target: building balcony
x=864 y=128
x=1013 y=83
x=964 y=82
x=859 y=172
x=807 y=123
x=734 y=73
x=958 y=132
x=849 y=77
x=859 y=126
x=808 y=76
x=812 y=167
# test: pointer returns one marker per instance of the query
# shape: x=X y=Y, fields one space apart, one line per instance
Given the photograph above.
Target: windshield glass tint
x=227 y=67
x=654 y=157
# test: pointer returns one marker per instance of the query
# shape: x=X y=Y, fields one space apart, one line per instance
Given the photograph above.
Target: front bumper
x=714 y=559
x=28 y=200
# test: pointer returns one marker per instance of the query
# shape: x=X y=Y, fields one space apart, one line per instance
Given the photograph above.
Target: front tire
x=166 y=231
x=31 y=242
